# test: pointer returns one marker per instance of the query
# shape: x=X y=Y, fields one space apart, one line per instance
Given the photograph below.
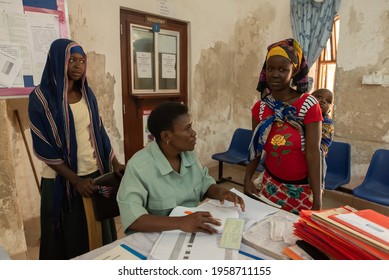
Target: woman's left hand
x=233 y=197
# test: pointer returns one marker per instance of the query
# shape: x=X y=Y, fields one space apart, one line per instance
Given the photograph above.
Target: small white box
x=367 y=79
x=385 y=80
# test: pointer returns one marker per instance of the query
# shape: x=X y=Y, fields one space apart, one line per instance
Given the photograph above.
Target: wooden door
x=154 y=62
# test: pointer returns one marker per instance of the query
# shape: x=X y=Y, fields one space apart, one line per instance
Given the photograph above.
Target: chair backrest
x=378 y=167
x=241 y=140
x=339 y=161
x=375 y=186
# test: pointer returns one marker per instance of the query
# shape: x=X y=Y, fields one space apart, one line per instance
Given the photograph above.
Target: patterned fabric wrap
x=283 y=112
x=282 y=52
x=291 y=197
x=294 y=51
x=52 y=124
x=327 y=134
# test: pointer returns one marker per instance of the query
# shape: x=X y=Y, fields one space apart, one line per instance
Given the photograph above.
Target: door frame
x=136 y=105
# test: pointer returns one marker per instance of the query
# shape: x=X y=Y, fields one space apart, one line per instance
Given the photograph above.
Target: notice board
x=27 y=29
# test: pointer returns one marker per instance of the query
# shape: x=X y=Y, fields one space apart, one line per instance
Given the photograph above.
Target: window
x=326 y=63
x=147 y=64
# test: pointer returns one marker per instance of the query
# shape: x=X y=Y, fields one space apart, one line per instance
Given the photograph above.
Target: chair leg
x=228 y=179
x=95 y=234
x=222 y=179
x=220 y=170
x=220 y=176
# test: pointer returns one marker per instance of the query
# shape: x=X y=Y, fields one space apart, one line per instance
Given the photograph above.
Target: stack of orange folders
x=346 y=234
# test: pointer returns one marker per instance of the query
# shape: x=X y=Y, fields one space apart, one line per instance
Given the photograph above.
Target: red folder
x=324 y=218
x=336 y=247
x=317 y=229
x=372 y=218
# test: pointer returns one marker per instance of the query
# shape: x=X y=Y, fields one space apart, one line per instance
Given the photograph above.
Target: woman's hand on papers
x=233 y=197
x=199 y=222
x=217 y=192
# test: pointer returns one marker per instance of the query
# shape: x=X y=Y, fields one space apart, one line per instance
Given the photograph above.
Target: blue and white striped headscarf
x=283 y=112
x=52 y=124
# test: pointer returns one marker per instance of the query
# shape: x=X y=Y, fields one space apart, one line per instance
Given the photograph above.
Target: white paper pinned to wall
x=9 y=69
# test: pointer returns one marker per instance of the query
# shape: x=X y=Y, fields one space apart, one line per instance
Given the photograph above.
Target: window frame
x=328 y=58
x=155 y=60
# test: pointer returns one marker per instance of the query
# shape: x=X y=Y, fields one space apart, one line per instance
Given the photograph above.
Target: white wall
x=361 y=111
x=227 y=43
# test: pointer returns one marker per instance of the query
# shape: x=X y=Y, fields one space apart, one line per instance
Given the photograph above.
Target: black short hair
x=163 y=116
x=322 y=90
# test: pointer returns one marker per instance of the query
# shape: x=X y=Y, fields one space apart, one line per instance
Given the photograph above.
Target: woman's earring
x=167 y=142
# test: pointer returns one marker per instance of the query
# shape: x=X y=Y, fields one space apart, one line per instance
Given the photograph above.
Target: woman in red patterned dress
x=287 y=123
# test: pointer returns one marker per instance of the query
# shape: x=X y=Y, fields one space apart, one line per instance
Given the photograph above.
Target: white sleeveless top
x=86 y=158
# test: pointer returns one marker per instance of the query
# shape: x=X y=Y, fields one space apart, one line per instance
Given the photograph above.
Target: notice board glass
x=27 y=29
x=155 y=60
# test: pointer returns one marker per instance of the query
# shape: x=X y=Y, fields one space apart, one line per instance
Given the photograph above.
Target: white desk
x=141 y=242
x=144 y=242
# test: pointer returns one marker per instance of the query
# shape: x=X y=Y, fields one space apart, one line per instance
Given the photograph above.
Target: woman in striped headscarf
x=287 y=122
x=69 y=137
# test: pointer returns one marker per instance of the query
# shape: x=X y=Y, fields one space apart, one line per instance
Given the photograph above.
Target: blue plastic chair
x=237 y=152
x=375 y=186
x=338 y=165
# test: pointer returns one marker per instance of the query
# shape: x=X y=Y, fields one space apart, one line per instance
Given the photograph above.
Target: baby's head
x=325 y=98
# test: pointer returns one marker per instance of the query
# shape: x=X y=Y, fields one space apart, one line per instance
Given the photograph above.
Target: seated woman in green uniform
x=167 y=173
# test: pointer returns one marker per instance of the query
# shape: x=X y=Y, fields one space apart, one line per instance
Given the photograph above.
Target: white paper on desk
x=217 y=210
x=120 y=252
x=255 y=210
x=251 y=251
x=366 y=225
x=259 y=236
x=190 y=246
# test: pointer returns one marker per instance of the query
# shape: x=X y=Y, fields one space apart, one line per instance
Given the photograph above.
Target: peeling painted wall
x=102 y=84
x=27 y=187
x=11 y=225
x=361 y=113
x=226 y=54
x=226 y=51
x=226 y=76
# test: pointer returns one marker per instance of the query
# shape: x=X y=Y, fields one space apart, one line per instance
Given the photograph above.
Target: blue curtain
x=312 y=24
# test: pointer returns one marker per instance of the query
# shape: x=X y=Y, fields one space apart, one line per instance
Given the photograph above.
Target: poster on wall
x=44 y=29
x=143 y=64
x=168 y=66
x=27 y=29
x=10 y=65
x=147 y=136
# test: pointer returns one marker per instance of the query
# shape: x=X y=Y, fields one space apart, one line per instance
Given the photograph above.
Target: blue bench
x=375 y=186
x=338 y=165
x=237 y=153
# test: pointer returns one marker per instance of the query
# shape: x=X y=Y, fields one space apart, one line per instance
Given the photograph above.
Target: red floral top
x=285 y=157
